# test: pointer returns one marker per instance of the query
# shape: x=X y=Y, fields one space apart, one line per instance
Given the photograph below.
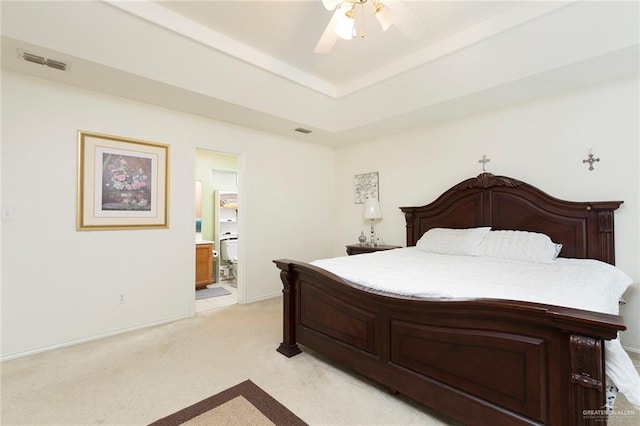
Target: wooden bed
x=478 y=361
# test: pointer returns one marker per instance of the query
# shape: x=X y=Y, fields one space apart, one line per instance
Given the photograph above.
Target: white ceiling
x=252 y=62
x=293 y=28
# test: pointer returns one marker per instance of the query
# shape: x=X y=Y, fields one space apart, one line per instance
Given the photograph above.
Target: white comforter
x=577 y=283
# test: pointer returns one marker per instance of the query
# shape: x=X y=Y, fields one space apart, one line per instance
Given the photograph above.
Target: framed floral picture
x=122 y=183
x=365 y=186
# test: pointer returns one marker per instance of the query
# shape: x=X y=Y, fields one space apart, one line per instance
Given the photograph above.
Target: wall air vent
x=52 y=63
x=302 y=130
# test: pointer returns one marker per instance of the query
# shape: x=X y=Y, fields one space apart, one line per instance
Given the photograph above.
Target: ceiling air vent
x=302 y=130
x=51 y=63
x=56 y=64
x=33 y=58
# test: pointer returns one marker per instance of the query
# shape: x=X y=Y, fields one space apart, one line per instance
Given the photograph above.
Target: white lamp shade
x=372 y=209
x=385 y=16
x=346 y=24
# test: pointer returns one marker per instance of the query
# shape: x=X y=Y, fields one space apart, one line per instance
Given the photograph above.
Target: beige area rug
x=241 y=405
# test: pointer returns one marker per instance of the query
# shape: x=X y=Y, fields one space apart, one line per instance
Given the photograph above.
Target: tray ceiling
x=252 y=62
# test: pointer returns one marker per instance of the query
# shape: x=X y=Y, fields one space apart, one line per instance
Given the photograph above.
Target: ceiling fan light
x=346 y=22
x=345 y=29
x=331 y=4
x=384 y=15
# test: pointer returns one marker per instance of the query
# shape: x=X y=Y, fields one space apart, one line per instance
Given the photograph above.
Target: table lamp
x=372 y=212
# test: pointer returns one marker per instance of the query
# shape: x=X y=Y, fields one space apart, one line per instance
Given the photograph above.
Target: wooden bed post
x=411 y=238
x=288 y=347
x=605 y=234
x=587 y=381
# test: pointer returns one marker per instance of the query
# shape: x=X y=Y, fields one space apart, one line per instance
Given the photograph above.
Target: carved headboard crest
x=487 y=180
x=585 y=229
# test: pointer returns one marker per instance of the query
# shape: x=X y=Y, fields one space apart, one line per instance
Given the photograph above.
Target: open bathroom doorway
x=217 y=225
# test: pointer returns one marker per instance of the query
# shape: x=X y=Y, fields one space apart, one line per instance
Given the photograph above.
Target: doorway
x=217 y=225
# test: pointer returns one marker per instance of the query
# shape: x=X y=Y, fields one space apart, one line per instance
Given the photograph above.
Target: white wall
x=60 y=285
x=541 y=143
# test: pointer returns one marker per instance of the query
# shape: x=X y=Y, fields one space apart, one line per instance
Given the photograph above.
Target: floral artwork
x=126 y=182
x=365 y=186
x=123 y=183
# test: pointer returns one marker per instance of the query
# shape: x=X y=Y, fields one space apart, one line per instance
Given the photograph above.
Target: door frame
x=240 y=279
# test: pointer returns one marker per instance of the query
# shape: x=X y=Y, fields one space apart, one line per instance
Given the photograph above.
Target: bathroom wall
x=206 y=161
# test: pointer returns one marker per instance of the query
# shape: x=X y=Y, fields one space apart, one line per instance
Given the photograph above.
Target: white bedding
x=576 y=283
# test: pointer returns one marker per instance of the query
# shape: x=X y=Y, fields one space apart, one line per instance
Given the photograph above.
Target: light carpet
x=135 y=378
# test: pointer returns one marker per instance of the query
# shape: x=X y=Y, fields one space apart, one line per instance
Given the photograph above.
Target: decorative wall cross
x=590 y=159
x=484 y=162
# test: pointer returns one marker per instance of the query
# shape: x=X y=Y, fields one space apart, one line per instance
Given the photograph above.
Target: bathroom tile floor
x=219 y=301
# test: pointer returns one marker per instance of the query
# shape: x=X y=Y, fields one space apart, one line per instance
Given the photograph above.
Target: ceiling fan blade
x=326 y=42
x=329 y=36
x=331 y=4
x=406 y=20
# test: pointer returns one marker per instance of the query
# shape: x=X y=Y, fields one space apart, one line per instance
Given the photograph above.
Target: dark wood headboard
x=585 y=229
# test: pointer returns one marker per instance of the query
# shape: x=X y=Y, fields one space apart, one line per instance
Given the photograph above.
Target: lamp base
x=372 y=241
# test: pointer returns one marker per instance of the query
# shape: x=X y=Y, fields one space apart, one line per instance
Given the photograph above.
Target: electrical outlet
x=122 y=299
x=7 y=213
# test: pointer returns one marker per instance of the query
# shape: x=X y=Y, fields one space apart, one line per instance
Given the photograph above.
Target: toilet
x=229 y=253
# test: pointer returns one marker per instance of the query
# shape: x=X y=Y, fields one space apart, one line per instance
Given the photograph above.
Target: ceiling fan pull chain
x=361 y=20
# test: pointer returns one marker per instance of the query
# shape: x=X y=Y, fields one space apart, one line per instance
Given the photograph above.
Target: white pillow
x=519 y=245
x=453 y=241
x=558 y=250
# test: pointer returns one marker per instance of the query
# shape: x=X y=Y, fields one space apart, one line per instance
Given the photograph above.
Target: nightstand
x=358 y=249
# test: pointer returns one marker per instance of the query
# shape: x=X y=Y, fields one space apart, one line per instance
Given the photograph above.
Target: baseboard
x=634 y=353
x=113 y=333
x=269 y=296
x=90 y=339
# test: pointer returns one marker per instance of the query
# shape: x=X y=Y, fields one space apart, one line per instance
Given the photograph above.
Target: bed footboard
x=476 y=361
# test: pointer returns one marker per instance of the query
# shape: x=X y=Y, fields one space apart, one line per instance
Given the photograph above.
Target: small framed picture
x=122 y=183
x=365 y=186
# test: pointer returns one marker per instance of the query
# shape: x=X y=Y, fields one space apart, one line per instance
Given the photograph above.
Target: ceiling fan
x=387 y=12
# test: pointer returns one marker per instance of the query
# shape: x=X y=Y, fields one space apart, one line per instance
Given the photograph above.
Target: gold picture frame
x=123 y=183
